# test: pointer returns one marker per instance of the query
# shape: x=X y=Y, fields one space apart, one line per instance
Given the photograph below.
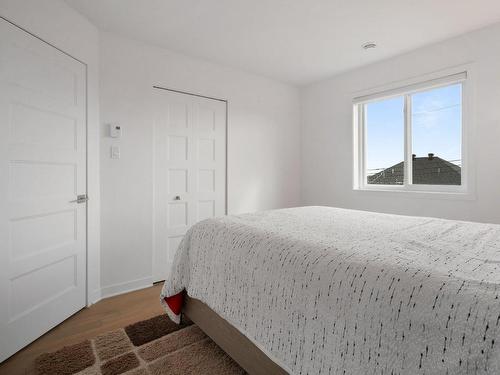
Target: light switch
x=115 y=152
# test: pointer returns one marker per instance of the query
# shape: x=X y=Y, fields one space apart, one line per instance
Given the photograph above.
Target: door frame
x=88 y=302
x=226 y=130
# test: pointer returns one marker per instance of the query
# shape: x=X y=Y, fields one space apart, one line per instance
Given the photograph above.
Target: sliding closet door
x=42 y=170
x=190 y=169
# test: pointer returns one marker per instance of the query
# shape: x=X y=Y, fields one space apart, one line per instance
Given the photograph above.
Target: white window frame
x=460 y=75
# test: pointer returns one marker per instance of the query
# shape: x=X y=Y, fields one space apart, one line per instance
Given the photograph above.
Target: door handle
x=80 y=199
x=177 y=198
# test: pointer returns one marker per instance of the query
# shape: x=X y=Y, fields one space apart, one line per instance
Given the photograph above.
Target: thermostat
x=115 y=131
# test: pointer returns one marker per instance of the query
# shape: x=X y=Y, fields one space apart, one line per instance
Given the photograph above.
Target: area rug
x=155 y=346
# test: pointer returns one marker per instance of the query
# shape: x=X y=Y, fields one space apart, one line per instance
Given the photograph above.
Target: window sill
x=419 y=194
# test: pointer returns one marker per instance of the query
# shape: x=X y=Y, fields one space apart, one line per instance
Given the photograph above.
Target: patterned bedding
x=332 y=291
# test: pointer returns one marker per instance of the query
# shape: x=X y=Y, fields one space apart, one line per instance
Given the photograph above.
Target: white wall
x=263 y=147
x=327 y=144
x=55 y=22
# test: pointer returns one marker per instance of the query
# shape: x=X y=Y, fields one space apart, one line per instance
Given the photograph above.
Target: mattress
x=333 y=291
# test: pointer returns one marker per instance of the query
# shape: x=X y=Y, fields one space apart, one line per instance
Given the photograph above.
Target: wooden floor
x=106 y=315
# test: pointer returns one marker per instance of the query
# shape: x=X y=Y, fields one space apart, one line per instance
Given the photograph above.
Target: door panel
x=42 y=169
x=190 y=168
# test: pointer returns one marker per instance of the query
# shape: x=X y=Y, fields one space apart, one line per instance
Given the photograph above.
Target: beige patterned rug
x=150 y=347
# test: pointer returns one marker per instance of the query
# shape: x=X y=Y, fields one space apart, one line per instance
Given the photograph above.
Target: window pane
x=384 y=121
x=437 y=136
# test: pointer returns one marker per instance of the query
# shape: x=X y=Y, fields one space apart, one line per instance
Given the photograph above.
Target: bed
x=320 y=290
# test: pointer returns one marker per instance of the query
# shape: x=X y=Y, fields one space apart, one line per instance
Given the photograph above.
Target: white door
x=42 y=169
x=190 y=168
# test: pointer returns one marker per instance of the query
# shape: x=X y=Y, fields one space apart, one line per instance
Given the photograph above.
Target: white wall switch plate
x=115 y=152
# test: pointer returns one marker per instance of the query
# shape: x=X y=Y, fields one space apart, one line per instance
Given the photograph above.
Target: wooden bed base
x=233 y=342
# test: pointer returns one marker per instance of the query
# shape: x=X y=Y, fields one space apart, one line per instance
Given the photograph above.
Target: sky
x=436 y=127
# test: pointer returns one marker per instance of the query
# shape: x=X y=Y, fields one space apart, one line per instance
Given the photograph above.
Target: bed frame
x=233 y=342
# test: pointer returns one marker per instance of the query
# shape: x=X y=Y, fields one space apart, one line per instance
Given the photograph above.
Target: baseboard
x=129 y=286
x=94 y=296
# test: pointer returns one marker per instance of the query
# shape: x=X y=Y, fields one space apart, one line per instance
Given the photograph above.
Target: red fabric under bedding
x=173 y=306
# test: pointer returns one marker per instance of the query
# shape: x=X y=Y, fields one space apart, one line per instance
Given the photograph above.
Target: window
x=412 y=138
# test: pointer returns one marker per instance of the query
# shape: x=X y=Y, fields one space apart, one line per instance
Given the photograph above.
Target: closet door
x=42 y=171
x=190 y=169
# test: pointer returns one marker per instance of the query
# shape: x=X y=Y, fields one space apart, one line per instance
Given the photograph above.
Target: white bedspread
x=334 y=291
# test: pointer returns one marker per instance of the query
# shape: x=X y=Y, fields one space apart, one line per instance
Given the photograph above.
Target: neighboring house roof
x=430 y=170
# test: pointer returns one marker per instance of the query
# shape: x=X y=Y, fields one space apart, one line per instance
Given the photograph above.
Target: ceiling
x=296 y=41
